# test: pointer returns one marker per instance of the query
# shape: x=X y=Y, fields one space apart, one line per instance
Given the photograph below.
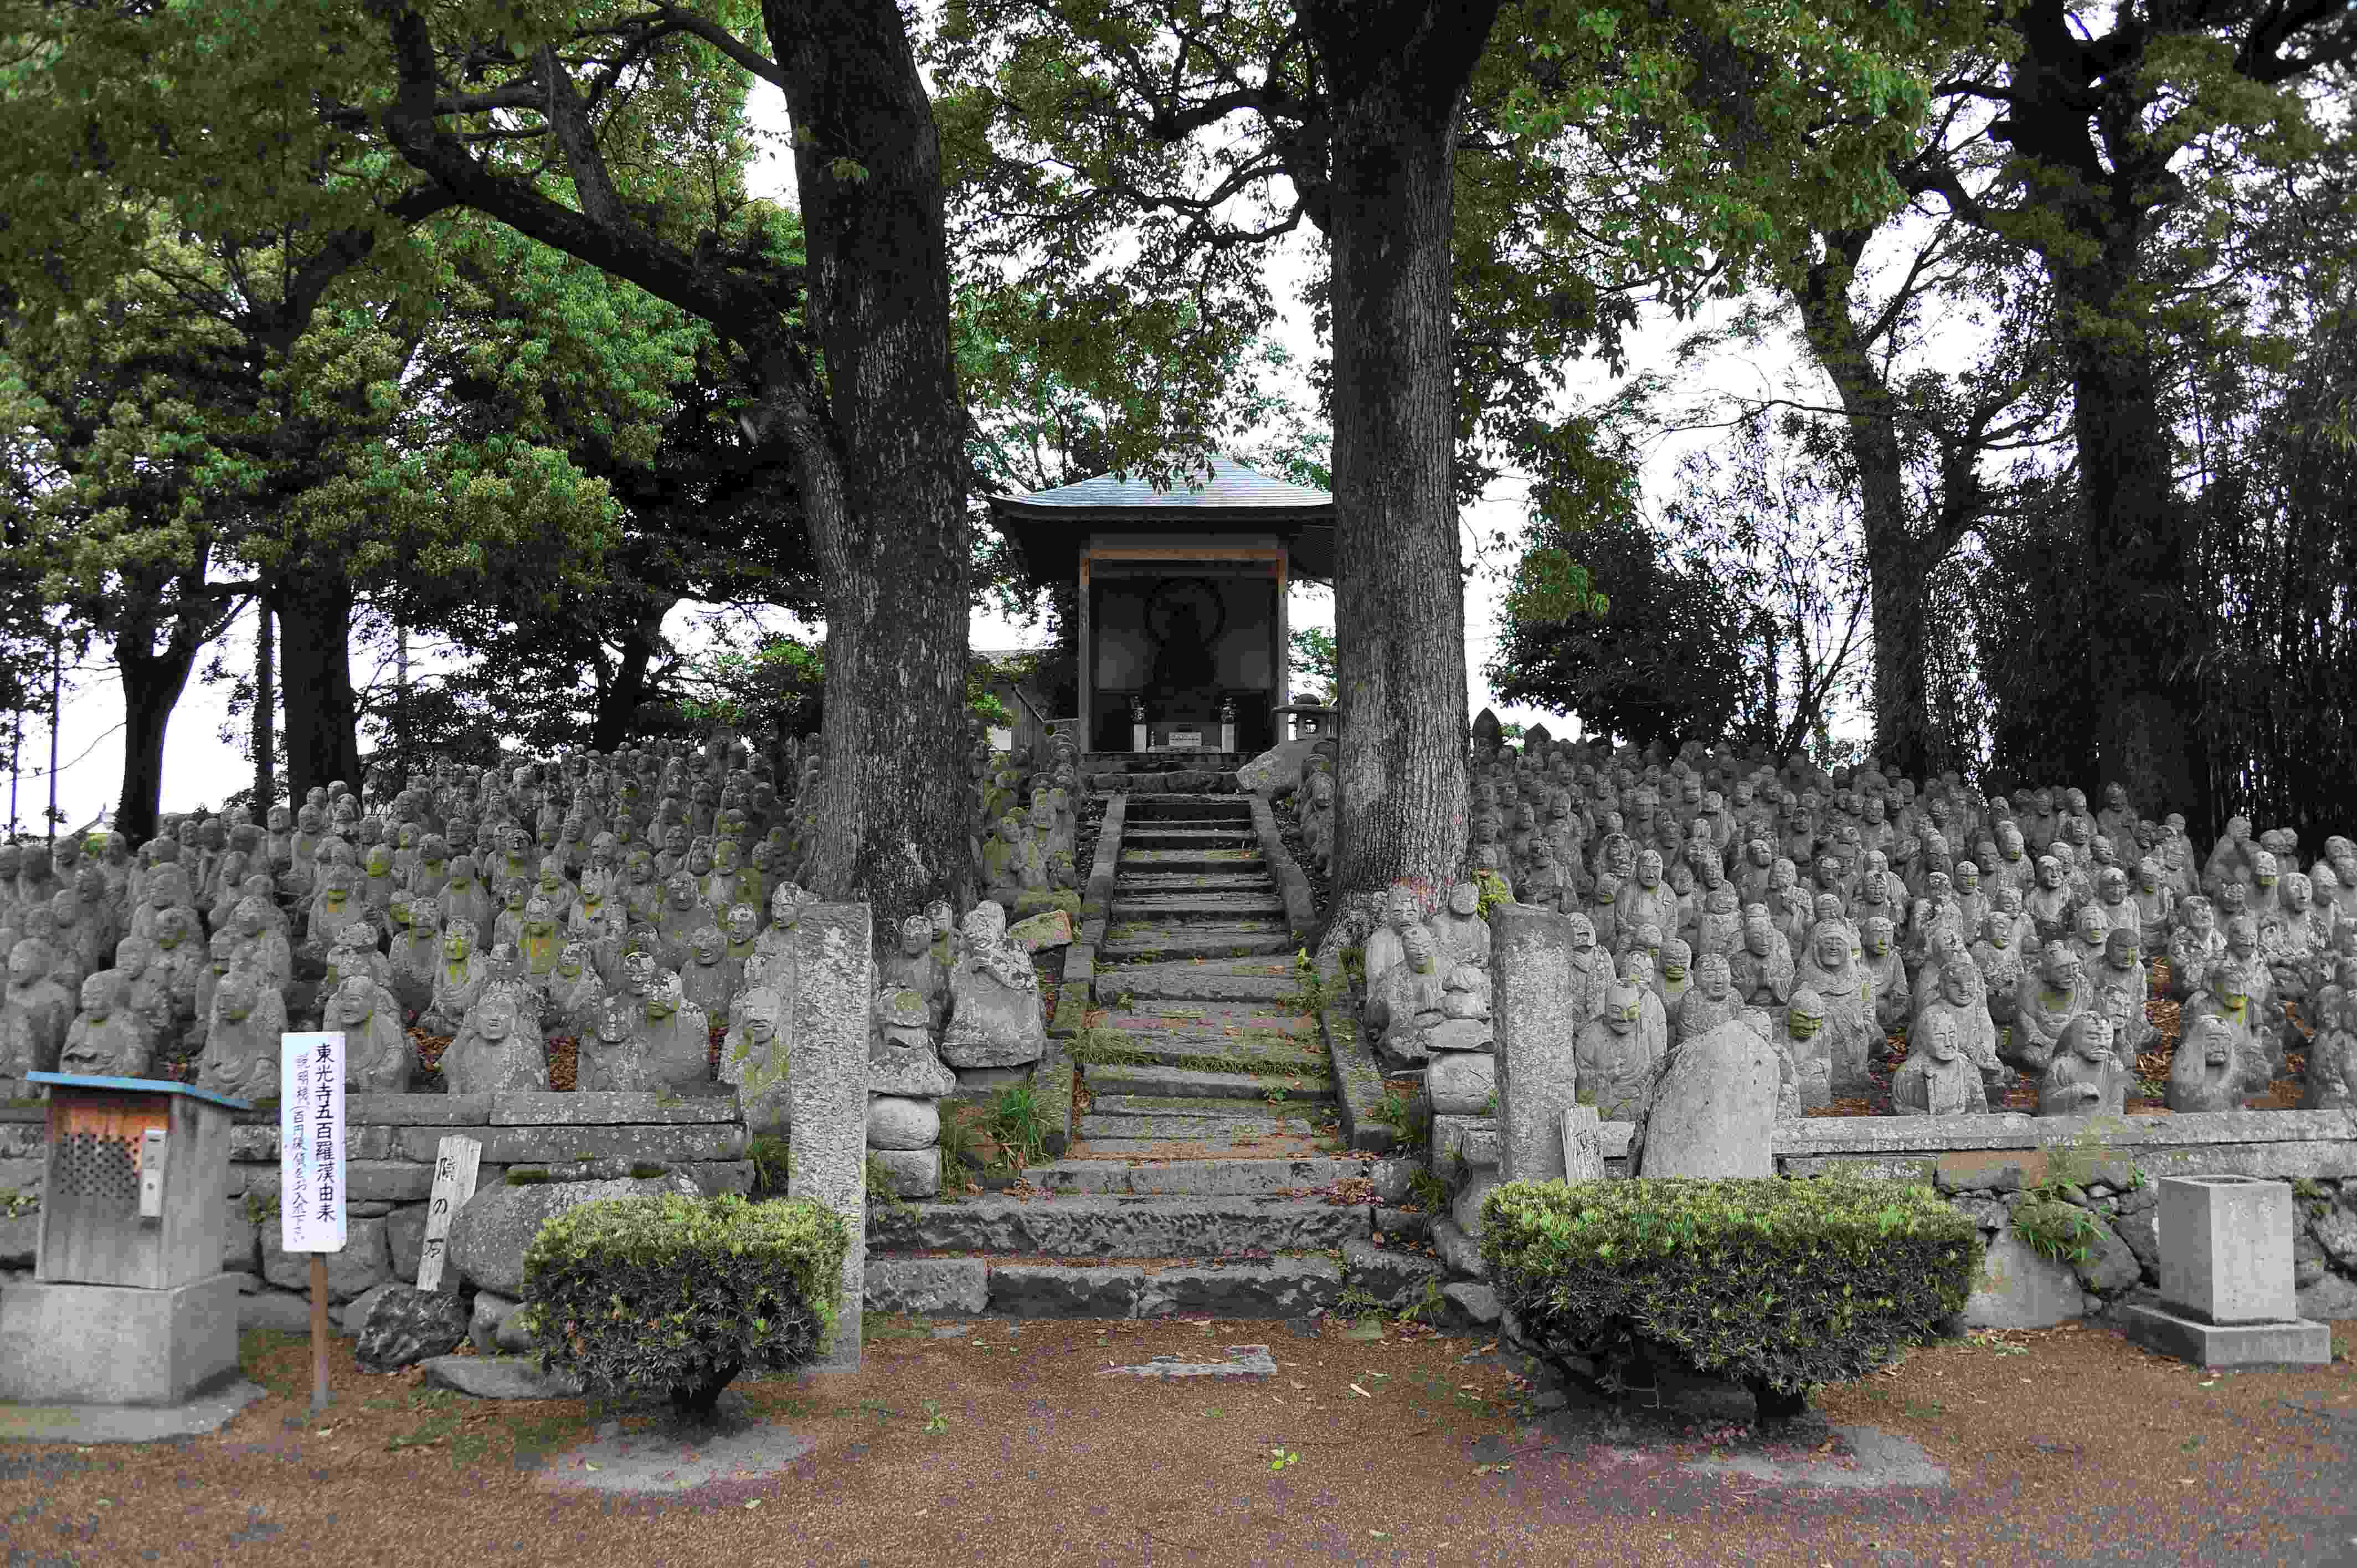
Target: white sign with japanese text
x=311 y=1143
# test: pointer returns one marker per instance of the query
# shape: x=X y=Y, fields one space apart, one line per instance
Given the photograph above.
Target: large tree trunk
x=2139 y=539
x=314 y=622
x=880 y=465
x=618 y=704
x=1395 y=74
x=153 y=680
x=265 y=711
x=1895 y=564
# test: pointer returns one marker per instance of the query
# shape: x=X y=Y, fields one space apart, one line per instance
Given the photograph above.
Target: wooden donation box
x=128 y=1302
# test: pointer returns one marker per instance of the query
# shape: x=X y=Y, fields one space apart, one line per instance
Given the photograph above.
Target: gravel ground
x=1004 y=1445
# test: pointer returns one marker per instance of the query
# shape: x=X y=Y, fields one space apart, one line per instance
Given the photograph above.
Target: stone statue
x=377 y=1058
x=1407 y=1001
x=459 y=980
x=2044 y=1004
x=241 y=1039
x=1936 y=1079
x=1591 y=970
x=915 y=967
x=1893 y=1001
x=2332 y=1056
x=1832 y=972
x=494 y=1053
x=2084 y=1079
x=105 y=1040
x=35 y=1014
x=2204 y=1074
x=613 y=1059
x=1710 y=1003
x=1761 y=968
x=996 y=1016
x=705 y=981
x=1801 y=1039
x=1614 y=1070
x=1386 y=944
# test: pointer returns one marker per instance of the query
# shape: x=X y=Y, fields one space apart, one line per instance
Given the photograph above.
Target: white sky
x=201 y=767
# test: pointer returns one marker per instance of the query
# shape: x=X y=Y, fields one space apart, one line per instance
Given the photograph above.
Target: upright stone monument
x=1534 y=1011
x=2226 y=1287
x=834 y=975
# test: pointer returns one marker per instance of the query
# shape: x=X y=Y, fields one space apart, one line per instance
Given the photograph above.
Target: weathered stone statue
x=2226 y=998
x=459 y=980
x=377 y=1057
x=2044 y=1005
x=915 y=967
x=996 y=1016
x=1831 y=970
x=1762 y=969
x=2332 y=1055
x=2084 y=1079
x=1407 y=1001
x=105 y=1040
x=1386 y=944
x=2204 y=1074
x=1936 y=1079
x=613 y=1059
x=1709 y=1002
x=1614 y=1070
x=1893 y=1000
x=241 y=1039
x=36 y=1012
x=494 y=1053
x=1800 y=1038
x=1591 y=970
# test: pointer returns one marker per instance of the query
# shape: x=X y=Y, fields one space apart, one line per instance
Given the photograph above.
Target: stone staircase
x=1203 y=1172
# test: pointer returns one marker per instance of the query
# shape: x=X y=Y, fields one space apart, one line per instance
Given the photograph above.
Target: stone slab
x=77 y=1344
x=1190 y=1083
x=1883 y=1135
x=527 y=1108
x=498 y=1378
x=2019 y=1289
x=1352 y=1060
x=655 y=1463
x=86 y=1423
x=1204 y=1178
x=1281 y=1287
x=560 y=1143
x=1065 y=1290
x=1243 y=1361
x=1533 y=1013
x=1121 y=1228
x=2297 y=1343
x=1714 y=1109
x=928 y=1286
x=827 y=1083
x=417 y=1110
x=1197 y=941
x=1396 y=1279
x=1195 y=1129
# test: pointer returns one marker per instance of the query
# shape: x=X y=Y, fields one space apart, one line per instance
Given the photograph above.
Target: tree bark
x=153 y=679
x=315 y=620
x=1397 y=75
x=881 y=465
x=1896 y=566
x=265 y=711
x=626 y=693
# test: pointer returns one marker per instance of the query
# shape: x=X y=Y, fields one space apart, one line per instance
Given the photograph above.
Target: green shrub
x=1779 y=1284
x=2053 y=1229
x=679 y=1295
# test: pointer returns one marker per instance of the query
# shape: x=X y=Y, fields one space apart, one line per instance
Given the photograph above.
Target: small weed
x=261 y=1208
x=1429 y=1192
x=1278 y=1458
x=881 y=1193
x=2062 y=1232
x=1017 y=1122
x=935 y=1421
x=880 y=1410
x=19 y=1203
x=1356 y=1303
x=1275 y=1096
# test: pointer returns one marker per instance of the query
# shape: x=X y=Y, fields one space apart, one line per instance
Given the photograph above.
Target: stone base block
x=2298 y=1343
x=76 y=1344
x=915 y=1173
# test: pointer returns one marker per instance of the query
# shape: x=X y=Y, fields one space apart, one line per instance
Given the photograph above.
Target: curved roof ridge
x=1233 y=483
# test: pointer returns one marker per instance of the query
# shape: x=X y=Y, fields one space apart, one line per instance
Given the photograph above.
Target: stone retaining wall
x=390 y=1141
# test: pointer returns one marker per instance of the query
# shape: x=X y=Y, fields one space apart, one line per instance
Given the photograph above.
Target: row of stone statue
x=367 y=919
x=1696 y=907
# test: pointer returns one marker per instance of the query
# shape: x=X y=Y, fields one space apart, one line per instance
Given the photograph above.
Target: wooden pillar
x=1283 y=653
x=1086 y=685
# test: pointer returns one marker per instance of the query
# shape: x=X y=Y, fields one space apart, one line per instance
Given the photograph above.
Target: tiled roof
x=1231 y=484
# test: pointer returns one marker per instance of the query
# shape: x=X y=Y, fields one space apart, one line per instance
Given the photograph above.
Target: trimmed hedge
x=1780 y=1284
x=680 y=1294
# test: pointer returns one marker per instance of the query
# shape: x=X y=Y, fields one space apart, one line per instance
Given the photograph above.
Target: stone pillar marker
x=827 y=1079
x=1532 y=1012
x=2226 y=1288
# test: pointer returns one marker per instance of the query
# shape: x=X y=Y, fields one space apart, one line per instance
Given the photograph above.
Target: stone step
x=1233 y=1018
x=1292 y=1286
x=1225 y=1130
x=1206 y=862
x=1206 y=781
x=1195 y=982
x=1275 y=1056
x=1190 y=835
x=1268 y=1146
x=1235 y=1107
x=1223 y=904
x=1157 y=761
x=1147 y=886
x=1191 y=942
x=1150 y=806
x=1199 y=1178
x=1114 y=1226
x=1119 y=1081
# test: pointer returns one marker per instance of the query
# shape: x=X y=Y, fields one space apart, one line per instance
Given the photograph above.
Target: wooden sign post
x=311 y=1172
x=454 y=1164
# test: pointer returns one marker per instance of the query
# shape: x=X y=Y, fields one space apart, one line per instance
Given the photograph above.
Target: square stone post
x=1532 y=1012
x=835 y=981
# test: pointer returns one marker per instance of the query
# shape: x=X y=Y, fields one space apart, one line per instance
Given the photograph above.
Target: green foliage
x=527 y=1175
x=1313 y=666
x=1019 y=1124
x=881 y=1192
x=1782 y=1284
x=2055 y=1228
x=679 y=1295
x=772 y=1159
x=19 y=1202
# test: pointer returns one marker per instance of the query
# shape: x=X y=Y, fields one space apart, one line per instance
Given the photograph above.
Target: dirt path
x=999 y=1446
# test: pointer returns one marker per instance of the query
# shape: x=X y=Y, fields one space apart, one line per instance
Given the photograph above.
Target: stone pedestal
x=116 y=1344
x=835 y=976
x=2227 y=1294
x=1533 y=1012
